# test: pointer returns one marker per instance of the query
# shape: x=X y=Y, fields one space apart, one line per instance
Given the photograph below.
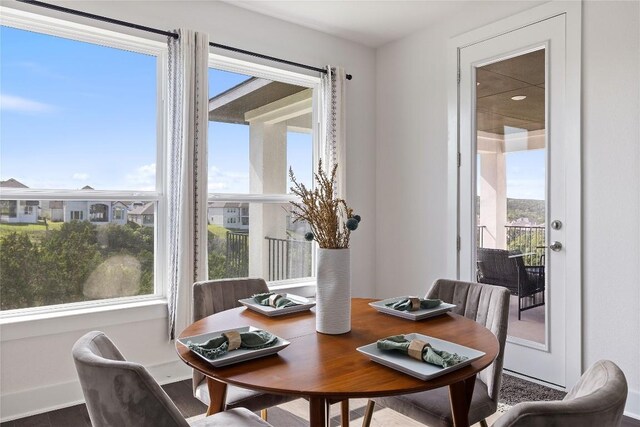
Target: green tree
x=68 y=256
x=217 y=258
x=144 y=238
x=131 y=239
x=18 y=271
x=527 y=241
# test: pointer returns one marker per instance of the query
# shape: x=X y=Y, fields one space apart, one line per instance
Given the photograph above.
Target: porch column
x=493 y=198
x=268 y=174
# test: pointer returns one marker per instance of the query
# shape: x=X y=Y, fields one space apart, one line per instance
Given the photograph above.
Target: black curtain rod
x=168 y=34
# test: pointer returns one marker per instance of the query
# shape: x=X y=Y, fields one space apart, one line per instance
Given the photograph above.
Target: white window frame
x=314 y=83
x=8 y=215
x=118 y=213
x=79 y=32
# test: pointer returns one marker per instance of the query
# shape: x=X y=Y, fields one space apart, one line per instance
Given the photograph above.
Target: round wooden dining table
x=328 y=368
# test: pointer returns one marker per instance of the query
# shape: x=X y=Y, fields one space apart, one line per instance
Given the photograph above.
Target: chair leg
x=483 y=423
x=368 y=413
x=263 y=414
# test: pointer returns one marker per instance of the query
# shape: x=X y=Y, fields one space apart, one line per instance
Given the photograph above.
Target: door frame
x=572 y=12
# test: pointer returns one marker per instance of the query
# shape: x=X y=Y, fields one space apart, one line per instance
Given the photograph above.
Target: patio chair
x=598 y=399
x=121 y=393
x=214 y=296
x=506 y=268
x=487 y=305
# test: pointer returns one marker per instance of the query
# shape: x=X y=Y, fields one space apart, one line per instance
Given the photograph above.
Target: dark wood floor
x=180 y=392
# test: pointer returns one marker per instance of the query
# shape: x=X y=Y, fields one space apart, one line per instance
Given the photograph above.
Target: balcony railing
x=289 y=259
x=237 y=259
x=526 y=239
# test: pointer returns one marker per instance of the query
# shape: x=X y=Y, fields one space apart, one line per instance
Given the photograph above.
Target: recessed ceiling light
x=518 y=97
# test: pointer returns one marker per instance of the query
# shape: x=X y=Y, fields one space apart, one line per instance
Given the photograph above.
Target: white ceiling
x=371 y=23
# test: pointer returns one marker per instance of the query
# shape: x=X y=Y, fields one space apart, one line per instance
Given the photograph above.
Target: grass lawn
x=218 y=230
x=32 y=229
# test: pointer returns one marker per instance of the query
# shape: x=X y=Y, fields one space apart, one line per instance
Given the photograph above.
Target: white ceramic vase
x=333 y=293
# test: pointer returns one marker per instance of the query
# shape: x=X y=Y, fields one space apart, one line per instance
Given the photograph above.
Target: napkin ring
x=233 y=337
x=273 y=299
x=416 y=347
x=415 y=303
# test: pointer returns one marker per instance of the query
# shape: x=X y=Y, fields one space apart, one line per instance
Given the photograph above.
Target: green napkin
x=405 y=304
x=429 y=354
x=263 y=299
x=218 y=346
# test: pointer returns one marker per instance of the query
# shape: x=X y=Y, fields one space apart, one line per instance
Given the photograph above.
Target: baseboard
x=57 y=396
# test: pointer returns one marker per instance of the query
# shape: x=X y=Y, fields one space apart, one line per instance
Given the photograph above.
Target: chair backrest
x=214 y=296
x=598 y=399
x=487 y=305
x=497 y=268
x=117 y=392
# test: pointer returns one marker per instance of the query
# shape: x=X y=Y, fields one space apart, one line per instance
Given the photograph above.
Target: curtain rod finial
x=349 y=76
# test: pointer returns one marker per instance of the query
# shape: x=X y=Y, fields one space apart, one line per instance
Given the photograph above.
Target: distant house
x=52 y=210
x=523 y=222
x=18 y=211
x=215 y=213
x=96 y=212
x=235 y=216
x=119 y=213
x=143 y=215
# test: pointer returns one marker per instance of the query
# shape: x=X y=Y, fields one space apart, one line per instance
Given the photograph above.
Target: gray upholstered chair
x=121 y=393
x=487 y=305
x=213 y=296
x=596 y=400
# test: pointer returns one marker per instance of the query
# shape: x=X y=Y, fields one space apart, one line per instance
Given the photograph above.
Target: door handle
x=555 y=246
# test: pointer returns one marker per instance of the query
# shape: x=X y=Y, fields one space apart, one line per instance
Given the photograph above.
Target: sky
x=229 y=146
x=75 y=114
x=525 y=174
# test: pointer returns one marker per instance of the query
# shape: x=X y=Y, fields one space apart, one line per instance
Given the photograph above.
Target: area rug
x=515 y=390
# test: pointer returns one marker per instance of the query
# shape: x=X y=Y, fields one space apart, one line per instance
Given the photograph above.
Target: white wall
x=411 y=161
x=37 y=372
x=411 y=165
x=611 y=188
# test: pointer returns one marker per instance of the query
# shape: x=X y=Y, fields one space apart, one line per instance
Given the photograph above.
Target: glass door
x=511 y=186
x=513 y=181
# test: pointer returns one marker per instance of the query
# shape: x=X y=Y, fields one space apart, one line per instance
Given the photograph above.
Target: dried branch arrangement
x=330 y=218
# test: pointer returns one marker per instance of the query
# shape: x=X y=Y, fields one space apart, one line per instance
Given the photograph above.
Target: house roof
x=216 y=204
x=87 y=187
x=146 y=209
x=12 y=183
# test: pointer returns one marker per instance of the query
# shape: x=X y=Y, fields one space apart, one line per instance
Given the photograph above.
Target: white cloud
x=229 y=182
x=18 y=103
x=143 y=178
x=79 y=176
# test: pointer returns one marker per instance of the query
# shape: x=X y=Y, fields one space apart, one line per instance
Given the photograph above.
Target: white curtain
x=334 y=108
x=187 y=99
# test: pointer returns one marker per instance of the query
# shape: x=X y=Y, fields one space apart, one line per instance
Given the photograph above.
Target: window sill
x=53 y=322
x=304 y=289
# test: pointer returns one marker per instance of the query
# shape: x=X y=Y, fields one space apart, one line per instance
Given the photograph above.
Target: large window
x=78 y=154
x=260 y=126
